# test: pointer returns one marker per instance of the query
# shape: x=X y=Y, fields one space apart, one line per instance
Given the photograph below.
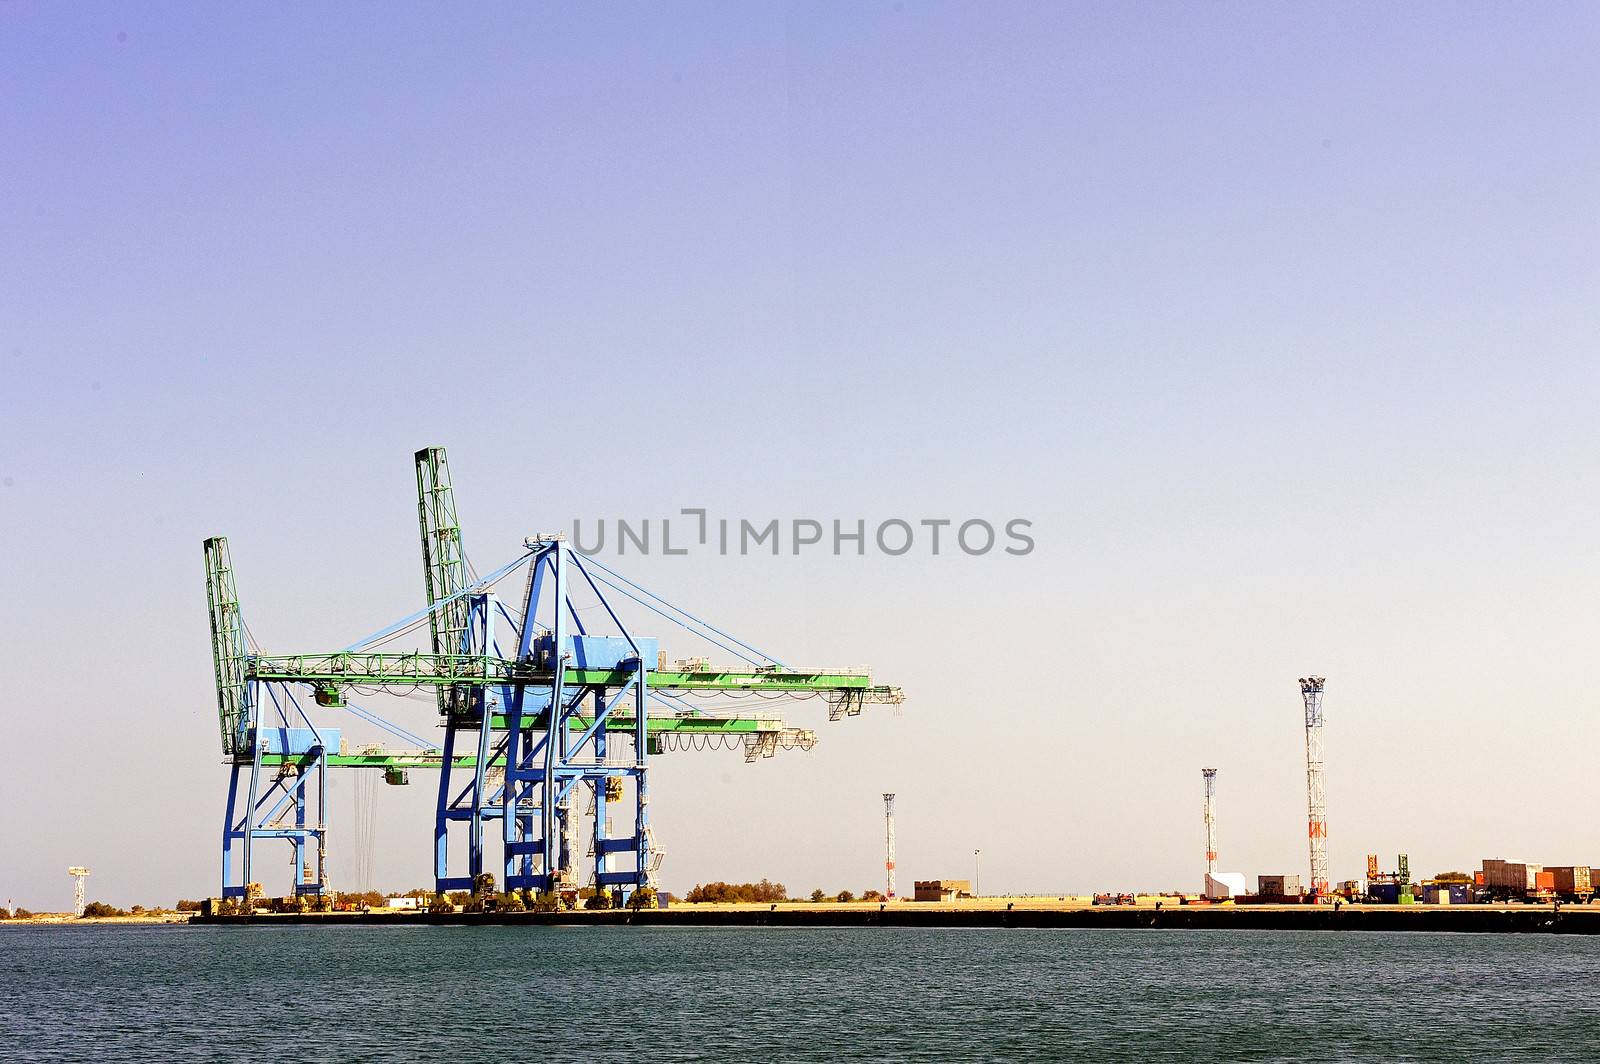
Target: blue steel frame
x=279 y=807
x=544 y=758
x=539 y=759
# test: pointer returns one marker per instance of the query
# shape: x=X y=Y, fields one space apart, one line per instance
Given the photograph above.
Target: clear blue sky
x=1279 y=322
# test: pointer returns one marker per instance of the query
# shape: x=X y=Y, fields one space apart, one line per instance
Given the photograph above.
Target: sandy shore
x=39 y=919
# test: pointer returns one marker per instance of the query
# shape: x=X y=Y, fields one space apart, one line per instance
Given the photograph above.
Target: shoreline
x=1472 y=920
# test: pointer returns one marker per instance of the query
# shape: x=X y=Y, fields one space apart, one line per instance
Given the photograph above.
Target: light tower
x=1316 y=794
x=1210 y=776
x=888 y=853
x=78 y=874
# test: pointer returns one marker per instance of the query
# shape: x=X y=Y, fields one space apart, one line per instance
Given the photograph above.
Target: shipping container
x=1514 y=877
x=1279 y=886
x=1571 y=879
x=1445 y=893
x=1383 y=893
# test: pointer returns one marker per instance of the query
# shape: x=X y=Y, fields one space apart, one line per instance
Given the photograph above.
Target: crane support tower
x=1316 y=786
x=545 y=697
x=888 y=851
x=78 y=874
x=1210 y=777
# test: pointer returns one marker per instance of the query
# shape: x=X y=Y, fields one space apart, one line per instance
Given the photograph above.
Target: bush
x=845 y=895
x=356 y=899
x=643 y=898
x=871 y=895
x=441 y=904
x=764 y=891
x=817 y=895
x=509 y=902
x=100 y=908
x=598 y=900
x=187 y=906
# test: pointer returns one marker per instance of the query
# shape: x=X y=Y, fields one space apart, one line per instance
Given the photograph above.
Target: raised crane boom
x=543 y=702
x=444 y=564
x=228 y=650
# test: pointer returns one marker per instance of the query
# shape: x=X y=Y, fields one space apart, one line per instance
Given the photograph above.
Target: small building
x=1223 y=885
x=1278 y=886
x=400 y=903
x=941 y=889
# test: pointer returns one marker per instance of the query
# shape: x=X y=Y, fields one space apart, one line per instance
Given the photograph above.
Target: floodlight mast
x=888 y=859
x=1316 y=787
x=1210 y=776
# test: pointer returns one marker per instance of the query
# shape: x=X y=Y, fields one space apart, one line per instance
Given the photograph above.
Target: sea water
x=573 y=993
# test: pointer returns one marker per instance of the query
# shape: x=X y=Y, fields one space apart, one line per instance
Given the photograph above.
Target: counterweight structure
x=1316 y=790
x=888 y=853
x=1210 y=777
x=544 y=699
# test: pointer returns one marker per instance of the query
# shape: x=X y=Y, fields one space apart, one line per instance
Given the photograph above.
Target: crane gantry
x=538 y=707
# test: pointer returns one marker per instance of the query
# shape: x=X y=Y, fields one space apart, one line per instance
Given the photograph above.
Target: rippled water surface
x=782 y=994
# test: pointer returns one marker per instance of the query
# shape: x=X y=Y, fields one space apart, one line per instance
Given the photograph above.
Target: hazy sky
x=1279 y=322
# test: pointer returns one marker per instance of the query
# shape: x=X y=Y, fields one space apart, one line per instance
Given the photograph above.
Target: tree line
x=767 y=891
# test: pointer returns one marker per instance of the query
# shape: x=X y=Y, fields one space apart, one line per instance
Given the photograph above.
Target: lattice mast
x=78 y=874
x=1316 y=788
x=1210 y=777
x=888 y=852
x=228 y=650
x=444 y=565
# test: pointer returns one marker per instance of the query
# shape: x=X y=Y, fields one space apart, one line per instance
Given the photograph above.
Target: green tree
x=764 y=891
x=845 y=895
x=817 y=895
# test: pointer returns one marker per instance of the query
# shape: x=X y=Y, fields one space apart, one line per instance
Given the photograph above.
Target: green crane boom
x=444 y=564
x=228 y=651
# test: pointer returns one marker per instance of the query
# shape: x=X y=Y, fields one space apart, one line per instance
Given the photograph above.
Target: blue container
x=1384 y=893
x=293 y=742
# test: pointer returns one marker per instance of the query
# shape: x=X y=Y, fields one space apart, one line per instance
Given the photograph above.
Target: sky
x=1278 y=323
